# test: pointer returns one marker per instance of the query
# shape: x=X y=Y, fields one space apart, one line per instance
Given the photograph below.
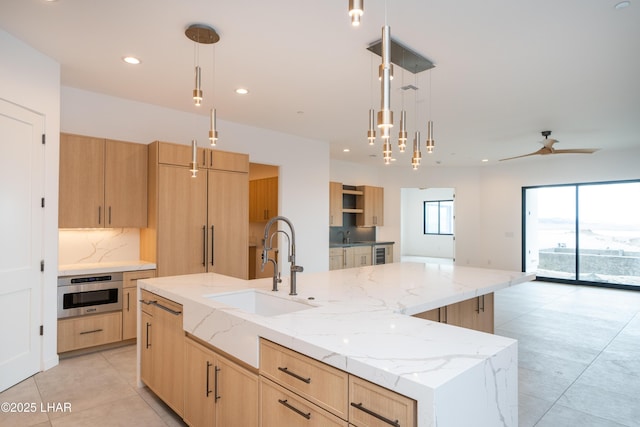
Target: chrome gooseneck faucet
x=266 y=247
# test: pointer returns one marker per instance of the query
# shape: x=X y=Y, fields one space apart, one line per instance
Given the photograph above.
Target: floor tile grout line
x=582 y=373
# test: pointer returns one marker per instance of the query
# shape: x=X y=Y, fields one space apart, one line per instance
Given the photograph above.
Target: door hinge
x=41 y=330
x=42 y=265
x=42 y=202
x=44 y=139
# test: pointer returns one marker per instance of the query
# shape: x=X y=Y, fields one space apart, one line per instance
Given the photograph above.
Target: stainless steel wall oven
x=89 y=294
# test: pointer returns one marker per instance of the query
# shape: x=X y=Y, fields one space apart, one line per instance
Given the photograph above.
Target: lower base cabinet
x=162 y=349
x=475 y=313
x=281 y=407
x=296 y=390
x=88 y=331
x=371 y=405
x=218 y=392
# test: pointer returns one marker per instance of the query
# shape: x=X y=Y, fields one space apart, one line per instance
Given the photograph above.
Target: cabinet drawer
x=373 y=406
x=130 y=278
x=89 y=331
x=323 y=385
x=149 y=297
x=280 y=407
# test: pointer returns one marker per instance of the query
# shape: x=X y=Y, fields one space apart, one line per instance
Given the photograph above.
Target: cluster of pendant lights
x=385 y=115
x=201 y=34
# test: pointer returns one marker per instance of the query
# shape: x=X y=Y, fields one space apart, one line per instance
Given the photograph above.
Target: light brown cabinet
x=475 y=313
x=218 y=392
x=103 y=183
x=319 y=383
x=162 y=347
x=197 y=224
x=88 y=331
x=335 y=204
x=336 y=258
x=130 y=300
x=297 y=390
x=281 y=407
x=372 y=204
x=263 y=199
x=371 y=405
x=350 y=257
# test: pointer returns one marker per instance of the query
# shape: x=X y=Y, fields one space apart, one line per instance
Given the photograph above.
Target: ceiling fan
x=548 y=148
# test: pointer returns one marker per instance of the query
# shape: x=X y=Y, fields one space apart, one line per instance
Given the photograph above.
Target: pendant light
x=213 y=130
x=194 y=158
x=431 y=143
x=417 y=155
x=402 y=135
x=385 y=115
x=200 y=34
x=356 y=10
x=371 y=133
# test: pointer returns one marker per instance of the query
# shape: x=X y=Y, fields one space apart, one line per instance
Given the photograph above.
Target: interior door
x=21 y=245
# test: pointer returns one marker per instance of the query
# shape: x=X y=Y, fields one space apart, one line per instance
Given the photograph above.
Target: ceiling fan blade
x=543 y=150
x=576 y=151
x=517 y=157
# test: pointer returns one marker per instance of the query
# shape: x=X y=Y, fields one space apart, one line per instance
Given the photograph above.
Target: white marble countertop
x=361 y=324
x=104 y=267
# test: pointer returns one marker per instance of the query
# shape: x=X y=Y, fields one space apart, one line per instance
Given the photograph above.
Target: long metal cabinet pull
x=154 y=302
x=373 y=414
x=207 y=391
x=212 y=246
x=215 y=385
x=128 y=304
x=109 y=214
x=91 y=332
x=148 y=344
x=99 y=214
x=175 y=313
x=294 y=375
x=204 y=245
x=294 y=409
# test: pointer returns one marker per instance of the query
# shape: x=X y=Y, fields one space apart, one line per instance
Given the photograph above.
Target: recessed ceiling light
x=346 y=150
x=131 y=60
x=622 y=4
x=242 y=91
x=485 y=160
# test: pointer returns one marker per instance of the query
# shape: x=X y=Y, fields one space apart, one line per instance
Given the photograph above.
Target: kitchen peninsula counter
x=361 y=323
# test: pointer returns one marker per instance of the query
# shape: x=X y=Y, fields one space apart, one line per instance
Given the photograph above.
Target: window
x=585 y=233
x=438 y=217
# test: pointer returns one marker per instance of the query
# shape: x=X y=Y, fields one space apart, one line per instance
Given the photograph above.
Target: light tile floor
x=579 y=365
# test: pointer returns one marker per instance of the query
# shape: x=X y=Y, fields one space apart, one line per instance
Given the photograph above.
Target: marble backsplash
x=89 y=246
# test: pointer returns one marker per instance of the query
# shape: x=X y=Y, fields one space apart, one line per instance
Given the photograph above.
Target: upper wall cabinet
x=207 y=158
x=263 y=199
x=103 y=183
x=372 y=204
x=335 y=204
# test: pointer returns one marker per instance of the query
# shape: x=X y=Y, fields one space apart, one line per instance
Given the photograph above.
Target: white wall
x=304 y=163
x=488 y=198
x=32 y=80
x=413 y=240
x=501 y=186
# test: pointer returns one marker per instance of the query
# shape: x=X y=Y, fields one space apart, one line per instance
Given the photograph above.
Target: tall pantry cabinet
x=197 y=224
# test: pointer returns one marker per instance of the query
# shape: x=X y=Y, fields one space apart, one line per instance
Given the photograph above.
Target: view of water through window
x=584 y=232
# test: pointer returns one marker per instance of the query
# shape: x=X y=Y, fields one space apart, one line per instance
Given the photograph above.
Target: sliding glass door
x=583 y=233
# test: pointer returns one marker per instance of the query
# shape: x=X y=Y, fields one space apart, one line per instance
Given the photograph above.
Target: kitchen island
x=360 y=321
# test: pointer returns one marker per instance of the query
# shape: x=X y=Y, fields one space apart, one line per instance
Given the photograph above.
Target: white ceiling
x=505 y=69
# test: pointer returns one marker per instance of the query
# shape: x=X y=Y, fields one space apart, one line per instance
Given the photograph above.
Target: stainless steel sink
x=260 y=303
